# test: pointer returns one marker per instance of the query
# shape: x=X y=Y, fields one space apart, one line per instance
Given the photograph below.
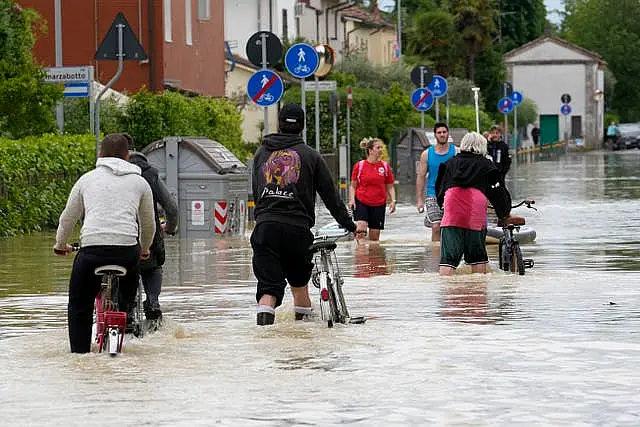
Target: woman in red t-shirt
x=371 y=184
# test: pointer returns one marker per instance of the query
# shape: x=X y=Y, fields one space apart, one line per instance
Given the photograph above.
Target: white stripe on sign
x=76 y=90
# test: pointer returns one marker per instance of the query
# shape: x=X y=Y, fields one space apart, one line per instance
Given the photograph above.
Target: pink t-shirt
x=465 y=208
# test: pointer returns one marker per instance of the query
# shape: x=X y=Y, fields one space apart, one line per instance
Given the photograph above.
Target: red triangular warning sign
x=131 y=48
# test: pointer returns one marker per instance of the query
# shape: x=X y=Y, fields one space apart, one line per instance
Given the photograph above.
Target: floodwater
x=558 y=346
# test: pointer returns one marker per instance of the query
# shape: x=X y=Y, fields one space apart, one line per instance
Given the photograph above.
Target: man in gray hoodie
x=115 y=204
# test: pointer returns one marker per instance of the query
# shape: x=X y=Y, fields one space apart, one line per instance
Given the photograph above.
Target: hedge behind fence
x=36 y=175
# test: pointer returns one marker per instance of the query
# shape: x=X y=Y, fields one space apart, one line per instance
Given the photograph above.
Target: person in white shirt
x=115 y=204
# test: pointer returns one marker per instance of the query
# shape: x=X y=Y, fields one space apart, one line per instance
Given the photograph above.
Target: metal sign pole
x=335 y=122
x=303 y=101
x=422 y=87
x=108 y=85
x=263 y=37
x=92 y=101
x=437 y=110
x=515 y=134
x=475 y=99
x=58 y=37
x=447 y=101
x=317 y=93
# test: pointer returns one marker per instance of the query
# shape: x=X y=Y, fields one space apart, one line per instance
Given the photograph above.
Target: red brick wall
x=200 y=66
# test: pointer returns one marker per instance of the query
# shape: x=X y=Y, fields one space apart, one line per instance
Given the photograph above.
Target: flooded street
x=558 y=346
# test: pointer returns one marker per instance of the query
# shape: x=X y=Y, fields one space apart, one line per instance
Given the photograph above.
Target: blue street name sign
x=505 y=105
x=265 y=88
x=438 y=86
x=301 y=60
x=422 y=99
x=565 y=109
x=516 y=98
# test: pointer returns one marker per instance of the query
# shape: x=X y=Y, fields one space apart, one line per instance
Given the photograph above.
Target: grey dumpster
x=209 y=182
x=410 y=145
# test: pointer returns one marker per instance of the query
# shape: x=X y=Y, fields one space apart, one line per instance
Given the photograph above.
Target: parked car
x=628 y=135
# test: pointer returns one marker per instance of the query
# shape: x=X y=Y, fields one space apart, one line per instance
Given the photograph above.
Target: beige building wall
x=377 y=44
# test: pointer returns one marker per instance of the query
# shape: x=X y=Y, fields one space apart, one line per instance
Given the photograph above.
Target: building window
x=204 y=10
x=167 y=21
x=187 y=17
x=285 y=25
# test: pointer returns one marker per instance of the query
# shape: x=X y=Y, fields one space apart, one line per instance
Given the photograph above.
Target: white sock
x=303 y=310
x=266 y=309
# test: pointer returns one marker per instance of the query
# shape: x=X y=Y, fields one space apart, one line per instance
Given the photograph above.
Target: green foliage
x=26 y=101
x=464 y=116
x=611 y=28
x=396 y=109
x=36 y=175
x=149 y=117
x=76 y=116
x=373 y=76
x=527 y=113
x=520 y=22
x=460 y=93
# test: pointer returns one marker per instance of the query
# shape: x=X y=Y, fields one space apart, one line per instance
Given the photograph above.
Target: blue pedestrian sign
x=516 y=98
x=565 y=109
x=301 y=60
x=422 y=99
x=505 y=105
x=438 y=86
x=265 y=88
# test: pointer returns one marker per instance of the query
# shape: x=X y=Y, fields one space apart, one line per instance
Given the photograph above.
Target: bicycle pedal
x=357 y=320
x=528 y=263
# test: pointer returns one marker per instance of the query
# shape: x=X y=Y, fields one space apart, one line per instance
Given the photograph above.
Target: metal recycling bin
x=208 y=181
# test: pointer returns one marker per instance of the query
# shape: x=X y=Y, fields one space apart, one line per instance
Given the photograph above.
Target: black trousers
x=84 y=286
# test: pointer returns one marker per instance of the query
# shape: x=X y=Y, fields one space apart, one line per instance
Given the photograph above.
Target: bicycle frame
x=110 y=322
x=509 y=252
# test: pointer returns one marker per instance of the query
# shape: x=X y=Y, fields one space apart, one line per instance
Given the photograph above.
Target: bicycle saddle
x=116 y=270
x=511 y=220
x=322 y=245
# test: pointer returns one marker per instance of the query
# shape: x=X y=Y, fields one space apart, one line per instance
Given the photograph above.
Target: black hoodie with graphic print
x=287 y=173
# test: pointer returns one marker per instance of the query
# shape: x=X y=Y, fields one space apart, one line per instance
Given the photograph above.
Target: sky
x=550 y=4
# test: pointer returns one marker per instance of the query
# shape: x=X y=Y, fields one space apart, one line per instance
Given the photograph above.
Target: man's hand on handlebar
x=145 y=254
x=62 y=250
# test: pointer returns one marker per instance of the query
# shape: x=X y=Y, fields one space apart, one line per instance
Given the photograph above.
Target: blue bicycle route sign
x=516 y=97
x=565 y=109
x=505 y=105
x=438 y=86
x=265 y=88
x=301 y=60
x=422 y=99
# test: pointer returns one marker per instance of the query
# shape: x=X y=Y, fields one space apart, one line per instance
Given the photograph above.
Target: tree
x=520 y=22
x=26 y=102
x=475 y=23
x=611 y=28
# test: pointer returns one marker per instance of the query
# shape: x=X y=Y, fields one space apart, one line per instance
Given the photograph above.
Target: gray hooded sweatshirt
x=115 y=203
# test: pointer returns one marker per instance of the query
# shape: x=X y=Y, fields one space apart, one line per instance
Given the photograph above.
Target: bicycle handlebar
x=527 y=203
x=74 y=247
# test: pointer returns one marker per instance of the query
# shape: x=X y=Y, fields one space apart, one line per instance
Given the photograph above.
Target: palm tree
x=474 y=22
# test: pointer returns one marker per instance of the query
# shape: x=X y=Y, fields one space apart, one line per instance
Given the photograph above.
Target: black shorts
x=372 y=215
x=280 y=255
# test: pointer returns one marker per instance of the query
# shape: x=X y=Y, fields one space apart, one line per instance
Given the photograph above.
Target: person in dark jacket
x=499 y=150
x=151 y=269
x=286 y=176
x=464 y=186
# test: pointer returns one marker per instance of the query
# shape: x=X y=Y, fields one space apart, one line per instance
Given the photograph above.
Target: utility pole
x=399 y=5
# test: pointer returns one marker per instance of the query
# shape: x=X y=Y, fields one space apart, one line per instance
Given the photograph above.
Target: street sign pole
x=421 y=85
x=303 y=101
x=437 y=110
x=335 y=122
x=92 y=101
x=263 y=37
x=447 y=101
x=515 y=134
x=58 y=36
x=349 y=102
x=108 y=85
x=317 y=93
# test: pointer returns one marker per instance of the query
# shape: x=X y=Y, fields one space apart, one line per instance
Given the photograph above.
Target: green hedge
x=36 y=176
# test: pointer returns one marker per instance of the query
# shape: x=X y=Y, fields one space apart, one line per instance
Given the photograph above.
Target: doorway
x=549 y=130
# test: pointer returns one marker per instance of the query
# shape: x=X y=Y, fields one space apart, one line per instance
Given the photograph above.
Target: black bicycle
x=509 y=252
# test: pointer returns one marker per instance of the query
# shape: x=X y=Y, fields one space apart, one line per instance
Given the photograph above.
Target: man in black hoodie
x=286 y=176
x=499 y=151
x=151 y=268
x=465 y=184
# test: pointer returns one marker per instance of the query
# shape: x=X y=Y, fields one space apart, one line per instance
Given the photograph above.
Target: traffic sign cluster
x=565 y=109
x=430 y=86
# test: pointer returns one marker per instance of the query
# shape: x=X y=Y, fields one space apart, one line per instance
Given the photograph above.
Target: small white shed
x=547 y=68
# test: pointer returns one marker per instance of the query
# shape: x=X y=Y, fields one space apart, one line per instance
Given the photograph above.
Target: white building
x=545 y=69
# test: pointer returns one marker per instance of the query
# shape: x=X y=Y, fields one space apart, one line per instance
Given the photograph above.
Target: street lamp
x=475 y=99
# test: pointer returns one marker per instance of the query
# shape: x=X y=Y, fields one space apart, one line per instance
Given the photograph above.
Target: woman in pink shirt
x=465 y=185
x=371 y=184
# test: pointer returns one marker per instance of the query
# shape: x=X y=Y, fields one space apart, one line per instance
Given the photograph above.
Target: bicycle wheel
x=325 y=299
x=138 y=329
x=342 y=313
x=516 y=259
x=505 y=256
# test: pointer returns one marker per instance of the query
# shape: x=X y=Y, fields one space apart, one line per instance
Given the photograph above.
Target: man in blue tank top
x=430 y=161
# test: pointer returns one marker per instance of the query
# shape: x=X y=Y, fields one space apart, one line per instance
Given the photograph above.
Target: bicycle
x=509 y=252
x=110 y=322
x=327 y=278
